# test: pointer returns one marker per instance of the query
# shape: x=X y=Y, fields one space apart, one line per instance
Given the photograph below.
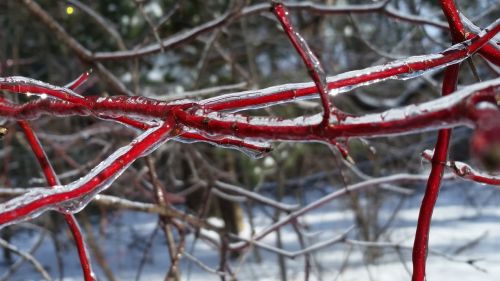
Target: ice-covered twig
x=459 y=34
x=79 y=80
x=399 y=69
x=74 y=196
x=53 y=181
x=465 y=171
x=445 y=112
x=122 y=203
x=311 y=62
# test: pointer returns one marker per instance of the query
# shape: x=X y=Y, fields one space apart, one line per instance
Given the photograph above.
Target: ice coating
x=266 y=121
x=399 y=69
x=94 y=176
x=250 y=94
x=338 y=79
x=74 y=206
x=313 y=65
x=251 y=147
x=22 y=85
x=389 y=115
x=79 y=80
x=469 y=24
x=33 y=194
x=431 y=106
x=476 y=29
x=444 y=112
x=465 y=171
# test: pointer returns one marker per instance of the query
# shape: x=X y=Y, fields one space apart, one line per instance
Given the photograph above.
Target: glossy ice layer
x=73 y=197
x=400 y=70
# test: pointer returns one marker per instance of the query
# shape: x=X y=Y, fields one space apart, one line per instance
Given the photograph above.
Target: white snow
x=465 y=212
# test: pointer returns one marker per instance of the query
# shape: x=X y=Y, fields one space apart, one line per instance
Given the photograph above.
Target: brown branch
x=80 y=51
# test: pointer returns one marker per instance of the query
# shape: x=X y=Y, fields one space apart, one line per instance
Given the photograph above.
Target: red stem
x=227 y=103
x=434 y=114
x=80 y=80
x=444 y=112
x=459 y=34
x=448 y=56
x=457 y=29
x=38 y=204
x=483 y=179
x=421 y=242
x=53 y=182
x=312 y=63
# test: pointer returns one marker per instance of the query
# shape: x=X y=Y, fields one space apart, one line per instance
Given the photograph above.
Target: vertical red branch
x=52 y=180
x=439 y=159
x=421 y=243
x=310 y=60
x=457 y=29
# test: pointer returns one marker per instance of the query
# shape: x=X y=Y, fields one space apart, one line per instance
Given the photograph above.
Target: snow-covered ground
x=467 y=221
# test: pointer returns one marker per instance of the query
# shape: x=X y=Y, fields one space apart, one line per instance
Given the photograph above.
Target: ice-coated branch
x=53 y=182
x=219 y=121
x=399 y=69
x=459 y=34
x=465 y=171
x=445 y=112
x=311 y=62
x=115 y=202
x=79 y=80
x=76 y=195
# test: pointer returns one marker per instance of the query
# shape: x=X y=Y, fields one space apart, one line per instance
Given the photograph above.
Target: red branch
x=458 y=33
x=466 y=171
x=53 y=182
x=73 y=197
x=200 y=121
x=312 y=63
x=400 y=69
x=216 y=120
x=421 y=242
